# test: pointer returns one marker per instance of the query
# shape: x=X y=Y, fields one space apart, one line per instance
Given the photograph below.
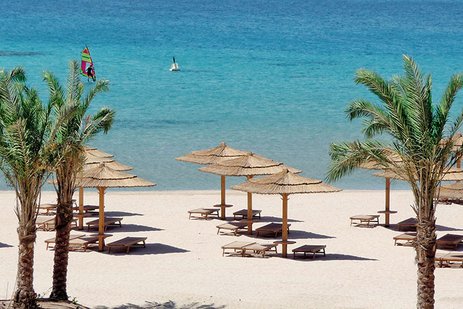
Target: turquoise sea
x=269 y=76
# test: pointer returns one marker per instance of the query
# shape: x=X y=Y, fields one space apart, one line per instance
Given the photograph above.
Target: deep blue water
x=272 y=77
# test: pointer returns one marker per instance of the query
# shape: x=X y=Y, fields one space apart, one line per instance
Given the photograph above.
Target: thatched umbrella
x=92 y=151
x=457 y=140
x=102 y=177
x=452 y=193
x=249 y=166
x=285 y=183
x=211 y=156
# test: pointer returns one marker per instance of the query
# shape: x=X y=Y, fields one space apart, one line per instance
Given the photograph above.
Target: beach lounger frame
x=365 y=220
x=405 y=239
x=204 y=213
x=127 y=243
x=449 y=241
x=108 y=221
x=243 y=214
x=407 y=224
x=313 y=249
x=449 y=260
x=271 y=228
x=233 y=227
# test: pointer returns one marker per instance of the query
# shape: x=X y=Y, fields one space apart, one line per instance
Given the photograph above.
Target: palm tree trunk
x=425 y=253
x=25 y=296
x=60 y=266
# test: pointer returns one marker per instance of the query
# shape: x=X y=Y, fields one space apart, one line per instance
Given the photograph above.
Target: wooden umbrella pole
x=388 y=195
x=101 y=191
x=284 y=232
x=222 y=197
x=249 y=210
x=81 y=208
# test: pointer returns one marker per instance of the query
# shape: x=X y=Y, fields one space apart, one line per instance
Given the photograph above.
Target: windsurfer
x=90 y=73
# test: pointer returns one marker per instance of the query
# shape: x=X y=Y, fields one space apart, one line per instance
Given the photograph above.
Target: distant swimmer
x=174 y=66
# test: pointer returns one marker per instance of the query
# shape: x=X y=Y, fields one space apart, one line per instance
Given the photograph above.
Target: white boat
x=174 y=67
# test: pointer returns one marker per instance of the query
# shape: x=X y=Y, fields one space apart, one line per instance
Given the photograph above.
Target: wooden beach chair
x=243 y=214
x=90 y=209
x=236 y=246
x=108 y=221
x=233 y=227
x=449 y=260
x=204 y=213
x=47 y=209
x=407 y=224
x=365 y=220
x=258 y=249
x=449 y=241
x=405 y=239
x=50 y=243
x=314 y=249
x=127 y=243
x=271 y=228
x=45 y=223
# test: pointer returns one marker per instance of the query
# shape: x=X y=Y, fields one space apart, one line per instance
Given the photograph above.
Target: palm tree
x=26 y=143
x=72 y=135
x=415 y=127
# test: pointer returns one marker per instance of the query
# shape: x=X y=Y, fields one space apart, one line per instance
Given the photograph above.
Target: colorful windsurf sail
x=86 y=65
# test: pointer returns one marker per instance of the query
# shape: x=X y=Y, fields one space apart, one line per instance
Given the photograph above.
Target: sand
x=183 y=261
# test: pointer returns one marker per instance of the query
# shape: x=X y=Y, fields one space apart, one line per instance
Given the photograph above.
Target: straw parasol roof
x=453 y=174
x=249 y=165
x=212 y=155
x=104 y=176
x=92 y=151
x=285 y=182
x=117 y=166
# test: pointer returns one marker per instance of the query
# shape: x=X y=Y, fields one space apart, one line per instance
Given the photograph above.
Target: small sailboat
x=86 y=65
x=174 y=66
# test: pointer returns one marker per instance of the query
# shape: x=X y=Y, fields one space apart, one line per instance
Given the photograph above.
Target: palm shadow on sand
x=167 y=305
x=151 y=249
x=2 y=245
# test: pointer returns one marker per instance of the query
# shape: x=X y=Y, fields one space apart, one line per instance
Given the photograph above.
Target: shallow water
x=272 y=77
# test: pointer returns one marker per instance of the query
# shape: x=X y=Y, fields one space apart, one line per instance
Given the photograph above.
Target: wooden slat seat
x=259 y=249
x=234 y=227
x=108 y=221
x=449 y=259
x=51 y=241
x=204 y=213
x=127 y=243
x=243 y=214
x=314 y=249
x=407 y=224
x=449 y=241
x=405 y=239
x=45 y=223
x=236 y=246
x=365 y=220
x=271 y=228
x=77 y=242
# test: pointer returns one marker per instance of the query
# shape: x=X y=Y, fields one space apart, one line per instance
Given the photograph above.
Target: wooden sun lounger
x=407 y=224
x=127 y=243
x=449 y=259
x=449 y=241
x=47 y=209
x=51 y=241
x=203 y=213
x=314 y=249
x=234 y=227
x=107 y=222
x=365 y=220
x=405 y=239
x=236 y=246
x=45 y=223
x=87 y=208
x=259 y=249
x=243 y=213
x=271 y=228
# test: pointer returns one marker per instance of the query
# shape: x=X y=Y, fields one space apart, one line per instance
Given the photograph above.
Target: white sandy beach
x=183 y=262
